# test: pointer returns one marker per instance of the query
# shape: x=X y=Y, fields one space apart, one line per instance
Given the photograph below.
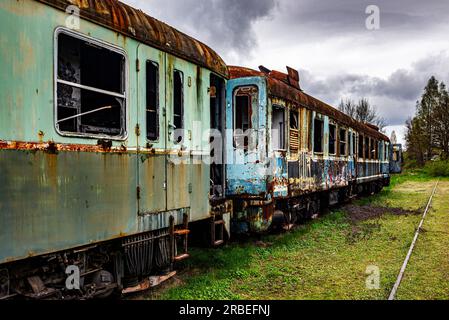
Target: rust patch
x=53 y=148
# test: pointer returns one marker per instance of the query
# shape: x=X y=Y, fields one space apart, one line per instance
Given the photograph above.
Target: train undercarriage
x=252 y=216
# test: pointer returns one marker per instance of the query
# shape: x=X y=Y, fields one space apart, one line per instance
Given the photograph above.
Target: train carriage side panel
x=61 y=190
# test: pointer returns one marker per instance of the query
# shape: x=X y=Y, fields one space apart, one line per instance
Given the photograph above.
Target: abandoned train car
x=291 y=154
x=97 y=99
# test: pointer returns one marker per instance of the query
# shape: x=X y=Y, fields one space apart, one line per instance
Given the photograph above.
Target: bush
x=437 y=168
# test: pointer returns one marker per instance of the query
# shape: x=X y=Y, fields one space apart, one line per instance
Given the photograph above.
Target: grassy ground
x=328 y=258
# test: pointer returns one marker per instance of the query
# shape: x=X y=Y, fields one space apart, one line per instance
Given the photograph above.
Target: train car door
x=152 y=158
x=180 y=102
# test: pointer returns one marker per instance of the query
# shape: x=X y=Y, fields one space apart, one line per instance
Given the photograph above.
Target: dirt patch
x=363 y=213
x=365 y=222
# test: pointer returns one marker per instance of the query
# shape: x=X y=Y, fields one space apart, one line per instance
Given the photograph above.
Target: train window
x=90 y=87
x=367 y=148
x=318 y=132
x=376 y=149
x=294 y=132
x=152 y=100
x=361 y=153
x=354 y=145
x=244 y=100
x=278 y=128
x=178 y=99
x=332 y=139
x=372 y=149
x=343 y=142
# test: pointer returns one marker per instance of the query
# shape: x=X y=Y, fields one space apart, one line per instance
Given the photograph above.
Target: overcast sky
x=328 y=42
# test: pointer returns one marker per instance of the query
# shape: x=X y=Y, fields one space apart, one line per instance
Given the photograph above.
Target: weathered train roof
x=278 y=86
x=136 y=24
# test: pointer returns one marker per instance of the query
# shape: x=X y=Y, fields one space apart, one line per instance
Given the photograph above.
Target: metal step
x=182 y=257
x=182 y=232
x=218 y=243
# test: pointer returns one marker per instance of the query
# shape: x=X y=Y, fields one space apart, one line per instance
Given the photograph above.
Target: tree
x=428 y=132
x=415 y=141
x=362 y=111
x=425 y=112
x=349 y=107
x=441 y=122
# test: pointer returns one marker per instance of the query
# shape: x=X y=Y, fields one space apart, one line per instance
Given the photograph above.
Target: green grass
x=328 y=258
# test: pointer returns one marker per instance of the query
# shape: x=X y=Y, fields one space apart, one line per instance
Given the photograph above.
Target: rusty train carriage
x=89 y=124
x=306 y=156
x=101 y=148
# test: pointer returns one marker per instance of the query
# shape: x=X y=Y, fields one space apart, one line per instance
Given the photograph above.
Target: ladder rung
x=182 y=232
x=182 y=257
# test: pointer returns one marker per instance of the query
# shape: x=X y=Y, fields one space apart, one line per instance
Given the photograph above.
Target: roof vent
x=293 y=77
x=264 y=70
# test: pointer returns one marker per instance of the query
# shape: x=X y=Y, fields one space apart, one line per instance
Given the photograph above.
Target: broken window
x=152 y=100
x=361 y=153
x=91 y=97
x=294 y=132
x=318 y=131
x=244 y=100
x=367 y=148
x=332 y=138
x=278 y=128
x=343 y=142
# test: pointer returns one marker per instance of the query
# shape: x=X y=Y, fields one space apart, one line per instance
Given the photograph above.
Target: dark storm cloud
x=230 y=27
x=348 y=16
x=226 y=26
x=395 y=97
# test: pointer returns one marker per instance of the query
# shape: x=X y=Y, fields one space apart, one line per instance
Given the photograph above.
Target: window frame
x=125 y=78
x=251 y=126
x=334 y=125
x=183 y=123
x=320 y=119
x=346 y=142
x=290 y=130
x=158 y=129
x=283 y=138
x=367 y=148
x=354 y=144
x=361 y=144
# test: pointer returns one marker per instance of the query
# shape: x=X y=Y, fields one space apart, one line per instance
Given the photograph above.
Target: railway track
x=412 y=246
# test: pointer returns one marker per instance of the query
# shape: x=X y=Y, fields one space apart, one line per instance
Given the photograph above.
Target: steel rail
x=412 y=246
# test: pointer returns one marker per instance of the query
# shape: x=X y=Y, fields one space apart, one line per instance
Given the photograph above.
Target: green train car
x=102 y=147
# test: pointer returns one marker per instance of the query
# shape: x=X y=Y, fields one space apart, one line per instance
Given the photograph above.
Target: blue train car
x=290 y=154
